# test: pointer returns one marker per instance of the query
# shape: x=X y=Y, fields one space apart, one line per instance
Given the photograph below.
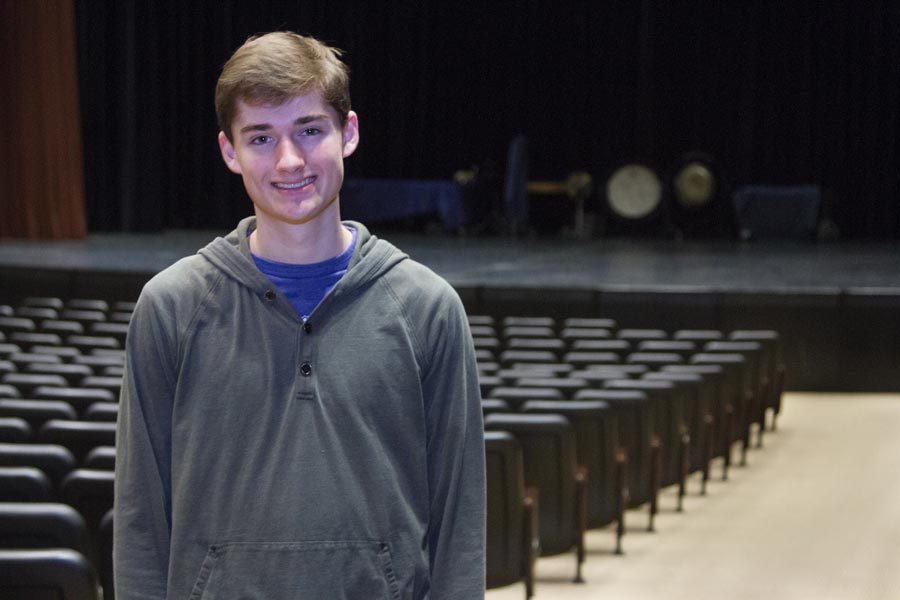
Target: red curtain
x=41 y=168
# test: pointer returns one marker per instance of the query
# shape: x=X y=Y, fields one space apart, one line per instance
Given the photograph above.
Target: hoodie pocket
x=351 y=570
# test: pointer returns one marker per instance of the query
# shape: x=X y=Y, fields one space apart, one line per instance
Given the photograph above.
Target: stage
x=837 y=305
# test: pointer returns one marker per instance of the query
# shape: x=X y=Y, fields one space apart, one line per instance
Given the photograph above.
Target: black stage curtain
x=778 y=93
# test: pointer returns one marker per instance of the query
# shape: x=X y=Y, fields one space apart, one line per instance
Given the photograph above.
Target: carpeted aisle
x=815 y=515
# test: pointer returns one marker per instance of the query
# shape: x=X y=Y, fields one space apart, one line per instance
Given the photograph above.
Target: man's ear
x=350 y=134
x=228 y=153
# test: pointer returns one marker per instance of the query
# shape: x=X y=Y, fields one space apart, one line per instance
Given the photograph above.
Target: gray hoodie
x=263 y=457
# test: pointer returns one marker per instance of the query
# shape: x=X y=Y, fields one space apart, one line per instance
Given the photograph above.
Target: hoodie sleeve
x=142 y=517
x=456 y=532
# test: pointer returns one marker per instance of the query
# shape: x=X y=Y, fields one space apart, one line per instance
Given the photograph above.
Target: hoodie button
x=270 y=295
x=306 y=369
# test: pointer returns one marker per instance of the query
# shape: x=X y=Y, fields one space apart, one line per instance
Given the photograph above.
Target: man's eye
x=312 y=131
x=260 y=140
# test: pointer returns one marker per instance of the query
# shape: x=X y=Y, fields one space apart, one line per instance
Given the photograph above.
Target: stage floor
x=611 y=264
x=837 y=305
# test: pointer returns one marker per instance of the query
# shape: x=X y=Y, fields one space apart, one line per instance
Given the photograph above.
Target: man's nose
x=290 y=156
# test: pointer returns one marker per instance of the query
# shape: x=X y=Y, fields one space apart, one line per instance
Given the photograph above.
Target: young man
x=300 y=415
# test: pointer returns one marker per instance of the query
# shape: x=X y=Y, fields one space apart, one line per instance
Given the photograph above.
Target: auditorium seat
x=102 y=411
x=11 y=325
x=56 y=574
x=567 y=386
x=86 y=343
x=64 y=352
x=698 y=336
x=638 y=335
x=589 y=323
x=28 y=339
x=54 y=460
x=774 y=365
x=6 y=349
x=61 y=327
x=36 y=412
x=475 y=320
x=85 y=317
x=102 y=382
x=716 y=400
x=120 y=317
x=36 y=313
x=512 y=541
x=581 y=359
x=494 y=405
x=549 y=457
x=102 y=458
x=90 y=492
x=597 y=448
x=753 y=380
x=78 y=398
x=528 y=331
x=91 y=304
x=73 y=374
x=734 y=428
x=78 y=436
x=123 y=306
x=550 y=344
x=698 y=422
x=44 y=302
x=43 y=525
x=98 y=361
x=116 y=330
x=487 y=383
x=15 y=430
x=23 y=359
x=24 y=484
x=684 y=348
x=551 y=368
x=27 y=383
x=516 y=396
x=544 y=322
x=9 y=391
x=508 y=357
x=572 y=336
x=7 y=366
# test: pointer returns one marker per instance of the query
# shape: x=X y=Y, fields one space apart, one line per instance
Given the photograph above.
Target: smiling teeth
x=294 y=186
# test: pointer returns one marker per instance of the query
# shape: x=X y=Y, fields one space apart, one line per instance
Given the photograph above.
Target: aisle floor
x=814 y=515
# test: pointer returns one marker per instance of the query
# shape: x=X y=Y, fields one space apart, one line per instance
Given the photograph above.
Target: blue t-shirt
x=306 y=285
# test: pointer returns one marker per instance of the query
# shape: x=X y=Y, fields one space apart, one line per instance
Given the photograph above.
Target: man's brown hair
x=277 y=66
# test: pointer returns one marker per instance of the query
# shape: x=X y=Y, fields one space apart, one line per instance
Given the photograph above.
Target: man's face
x=291 y=158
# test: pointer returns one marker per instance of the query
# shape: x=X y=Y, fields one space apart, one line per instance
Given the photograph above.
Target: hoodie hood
x=372 y=258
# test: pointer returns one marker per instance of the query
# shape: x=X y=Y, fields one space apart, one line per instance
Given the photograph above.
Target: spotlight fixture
x=634 y=192
x=694 y=185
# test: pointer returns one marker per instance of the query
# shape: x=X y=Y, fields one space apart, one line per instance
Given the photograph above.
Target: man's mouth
x=296 y=185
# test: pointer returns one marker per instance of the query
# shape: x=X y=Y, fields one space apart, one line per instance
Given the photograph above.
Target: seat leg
x=581 y=500
x=655 y=466
x=684 y=467
x=531 y=538
x=621 y=497
x=729 y=428
x=707 y=451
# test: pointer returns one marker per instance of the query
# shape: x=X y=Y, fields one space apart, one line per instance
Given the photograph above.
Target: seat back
x=58 y=574
x=42 y=525
x=549 y=454
x=505 y=492
x=78 y=436
x=90 y=492
x=596 y=442
x=24 y=484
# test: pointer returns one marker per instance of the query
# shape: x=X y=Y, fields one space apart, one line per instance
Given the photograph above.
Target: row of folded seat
x=61 y=366
x=584 y=419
